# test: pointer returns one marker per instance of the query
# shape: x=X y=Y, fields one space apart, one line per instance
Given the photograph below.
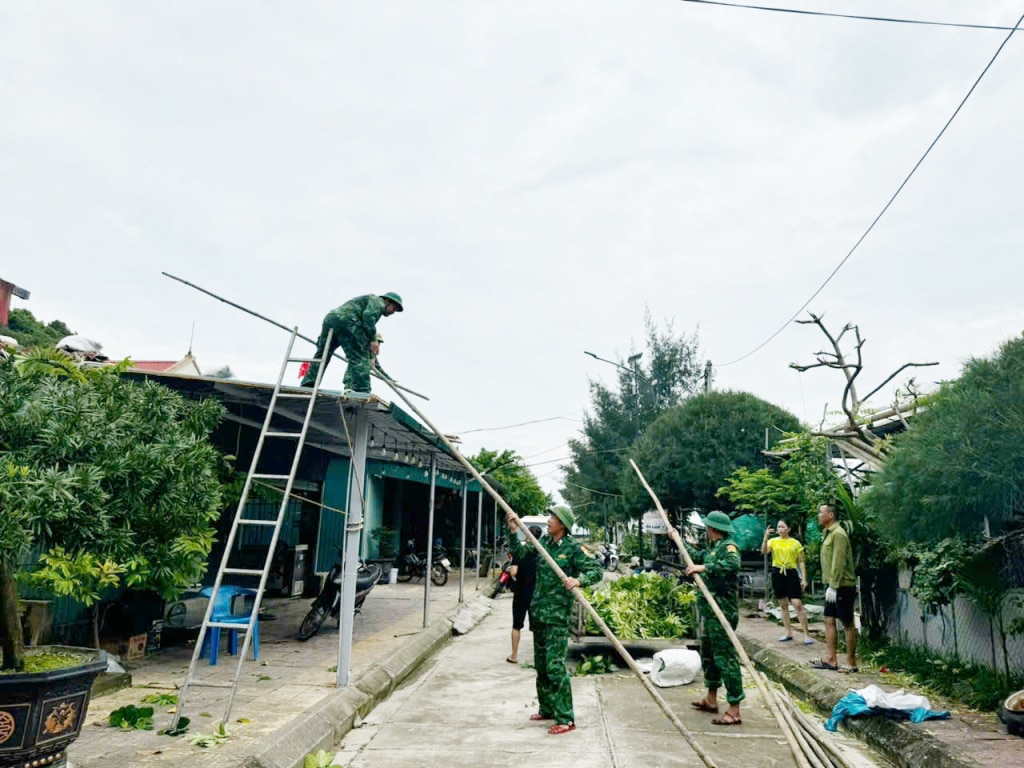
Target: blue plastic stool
x=222 y=613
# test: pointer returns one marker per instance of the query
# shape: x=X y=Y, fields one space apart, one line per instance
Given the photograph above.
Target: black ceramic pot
x=42 y=712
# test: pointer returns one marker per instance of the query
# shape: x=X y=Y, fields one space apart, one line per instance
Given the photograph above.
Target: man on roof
x=355 y=329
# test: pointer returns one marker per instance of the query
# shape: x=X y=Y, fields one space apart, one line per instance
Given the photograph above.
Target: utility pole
x=707 y=376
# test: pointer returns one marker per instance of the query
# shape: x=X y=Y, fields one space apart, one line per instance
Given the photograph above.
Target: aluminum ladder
x=240 y=520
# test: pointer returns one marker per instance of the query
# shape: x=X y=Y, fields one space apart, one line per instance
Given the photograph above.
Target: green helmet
x=379 y=338
x=395 y=298
x=719 y=521
x=565 y=515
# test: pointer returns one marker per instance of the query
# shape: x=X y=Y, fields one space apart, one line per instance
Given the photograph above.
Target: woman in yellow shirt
x=789 y=576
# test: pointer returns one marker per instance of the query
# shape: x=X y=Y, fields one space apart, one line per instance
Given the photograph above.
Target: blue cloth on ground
x=854 y=705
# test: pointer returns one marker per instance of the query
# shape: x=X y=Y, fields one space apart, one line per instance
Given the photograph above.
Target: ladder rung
x=297 y=395
x=229 y=625
x=304 y=360
x=201 y=684
x=251 y=521
x=243 y=571
x=270 y=477
x=294 y=435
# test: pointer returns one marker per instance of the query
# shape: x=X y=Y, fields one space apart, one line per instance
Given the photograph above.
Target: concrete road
x=468 y=707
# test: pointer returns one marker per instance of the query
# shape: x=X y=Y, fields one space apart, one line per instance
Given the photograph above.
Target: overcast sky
x=529 y=176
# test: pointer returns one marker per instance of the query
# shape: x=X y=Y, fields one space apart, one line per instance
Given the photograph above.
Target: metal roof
x=395 y=436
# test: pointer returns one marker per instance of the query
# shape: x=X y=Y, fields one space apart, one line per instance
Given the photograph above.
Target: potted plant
x=112 y=483
x=385 y=538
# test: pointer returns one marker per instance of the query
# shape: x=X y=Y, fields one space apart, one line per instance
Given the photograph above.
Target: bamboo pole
x=577 y=592
x=815 y=755
x=791 y=738
x=814 y=731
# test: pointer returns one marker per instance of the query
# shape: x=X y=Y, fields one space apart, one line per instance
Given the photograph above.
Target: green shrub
x=644 y=606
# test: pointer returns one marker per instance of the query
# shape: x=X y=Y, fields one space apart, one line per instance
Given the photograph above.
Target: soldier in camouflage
x=720 y=566
x=551 y=614
x=355 y=329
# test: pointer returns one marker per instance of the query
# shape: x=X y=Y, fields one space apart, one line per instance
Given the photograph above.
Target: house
x=187 y=366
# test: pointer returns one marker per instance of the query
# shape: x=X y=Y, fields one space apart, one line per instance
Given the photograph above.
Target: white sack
x=877 y=697
x=675 y=666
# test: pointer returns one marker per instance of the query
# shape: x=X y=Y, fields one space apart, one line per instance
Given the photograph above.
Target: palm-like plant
x=110 y=482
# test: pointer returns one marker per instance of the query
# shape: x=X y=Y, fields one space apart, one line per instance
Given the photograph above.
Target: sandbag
x=675 y=666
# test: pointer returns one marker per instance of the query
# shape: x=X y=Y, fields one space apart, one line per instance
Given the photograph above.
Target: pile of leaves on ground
x=643 y=606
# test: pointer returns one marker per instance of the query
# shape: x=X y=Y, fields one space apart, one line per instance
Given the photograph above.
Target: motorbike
x=608 y=556
x=328 y=602
x=505 y=579
x=412 y=565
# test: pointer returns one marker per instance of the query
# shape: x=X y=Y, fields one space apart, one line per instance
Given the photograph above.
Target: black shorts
x=520 y=607
x=786 y=586
x=842 y=608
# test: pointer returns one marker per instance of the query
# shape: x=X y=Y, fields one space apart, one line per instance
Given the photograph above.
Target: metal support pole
x=479 y=523
x=462 y=547
x=430 y=541
x=353 y=534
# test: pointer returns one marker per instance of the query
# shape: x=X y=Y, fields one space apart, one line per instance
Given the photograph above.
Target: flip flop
x=822 y=664
x=538 y=716
x=808 y=641
x=510 y=660
x=848 y=670
x=557 y=730
x=703 y=706
x=730 y=721
x=785 y=639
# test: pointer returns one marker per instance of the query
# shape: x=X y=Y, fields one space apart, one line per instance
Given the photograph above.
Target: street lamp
x=634 y=369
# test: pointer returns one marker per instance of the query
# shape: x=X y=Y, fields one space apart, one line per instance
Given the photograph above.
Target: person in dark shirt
x=525 y=574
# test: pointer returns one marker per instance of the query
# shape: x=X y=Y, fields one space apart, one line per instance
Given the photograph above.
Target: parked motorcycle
x=608 y=556
x=505 y=579
x=412 y=565
x=328 y=602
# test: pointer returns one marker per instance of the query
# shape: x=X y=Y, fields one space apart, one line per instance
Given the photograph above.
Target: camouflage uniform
x=355 y=325
x=551 y=617
x=718 y=657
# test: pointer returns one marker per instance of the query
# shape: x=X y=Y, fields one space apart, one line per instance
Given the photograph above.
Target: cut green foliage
x=320 y=759
x=644 y=606
x=132 y=718
x=183 y=723
x=207 y=740
x=49 y=661
x=160 y=699
x=598 y=664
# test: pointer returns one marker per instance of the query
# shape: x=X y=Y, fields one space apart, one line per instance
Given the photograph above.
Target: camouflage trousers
x=720 y=662
x=357 y=375
x=554 y=691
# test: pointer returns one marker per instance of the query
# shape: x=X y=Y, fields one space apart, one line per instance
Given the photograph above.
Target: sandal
x=510 y=660
x=538 y=716
x=785 y=639
x=557 y=730
x=703 y=706
x=847 y=669
x=727 y=719
x=822 y=664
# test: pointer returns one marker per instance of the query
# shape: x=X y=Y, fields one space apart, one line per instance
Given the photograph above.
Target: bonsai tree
x=107 y=481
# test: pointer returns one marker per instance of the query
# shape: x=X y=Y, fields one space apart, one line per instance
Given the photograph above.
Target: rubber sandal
x=848 y=670
x=510 y=660
x=785 y=639
x=822 y=664
x=723 y=721
x=808 y=641
x=538 y=716
x=703 y=706
x=557 y=730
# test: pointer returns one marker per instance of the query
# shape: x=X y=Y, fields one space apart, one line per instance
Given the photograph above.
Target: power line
x=892 y=199
x=890 y=20
x=592 y=490
x=566 y=417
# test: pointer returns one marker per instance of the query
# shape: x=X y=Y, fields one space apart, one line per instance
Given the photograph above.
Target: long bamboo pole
x=248 y=311
x=791 y=738
x=577 y=592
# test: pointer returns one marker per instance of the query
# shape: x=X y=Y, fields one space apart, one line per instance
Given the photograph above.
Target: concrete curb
x=324 y=725
x=906 y=745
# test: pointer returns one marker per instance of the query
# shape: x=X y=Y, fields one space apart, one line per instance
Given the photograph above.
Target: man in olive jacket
x=551 y=614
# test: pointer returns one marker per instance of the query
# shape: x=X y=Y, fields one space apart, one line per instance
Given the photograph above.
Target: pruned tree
x=855 y=437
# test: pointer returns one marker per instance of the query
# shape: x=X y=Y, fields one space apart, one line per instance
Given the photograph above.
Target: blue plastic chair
x=222 y=613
